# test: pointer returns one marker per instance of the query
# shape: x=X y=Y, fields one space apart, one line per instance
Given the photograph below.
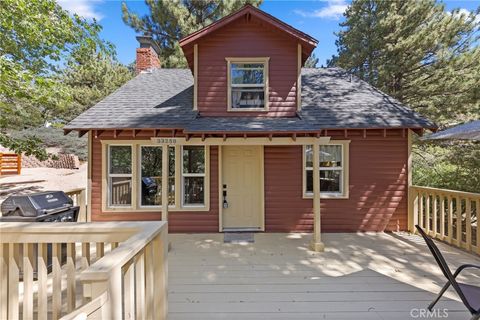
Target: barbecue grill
x=49 y=206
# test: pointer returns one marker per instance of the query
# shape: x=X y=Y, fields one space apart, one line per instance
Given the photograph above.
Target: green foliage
x=428 y=59
x=170 y=20
x=311 y=61
x=37 y=38
x=447 y=165
x=89 y=79
x=417 y=52
x=29 y=145
x=54 y=138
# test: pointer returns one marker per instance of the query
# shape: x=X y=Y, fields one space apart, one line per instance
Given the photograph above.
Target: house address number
x=166 y=140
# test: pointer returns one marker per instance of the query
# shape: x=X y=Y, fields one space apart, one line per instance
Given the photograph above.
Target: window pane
x=330 y=180
x=308 y=156
x=121 y=159
x=194 y=190
x=151 y=164
x=171 y=176
x=247 y=73
x=152 y=176
x=248 y=97
x=331 y=156
x=193 y=159
x=121 y=190
x=309 y=180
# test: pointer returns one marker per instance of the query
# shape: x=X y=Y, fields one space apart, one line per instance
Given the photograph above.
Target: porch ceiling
x=359 y=276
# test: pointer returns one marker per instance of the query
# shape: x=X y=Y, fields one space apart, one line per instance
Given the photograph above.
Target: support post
x=317 y=244
x=165 y=182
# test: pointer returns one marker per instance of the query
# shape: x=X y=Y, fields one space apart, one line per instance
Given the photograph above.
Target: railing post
x=19 y=163
x=450 y=219
x=468 y=223
x=4 y=283
x=412 y=209
x=82 y=202
x=458 y=206
x=160 y=252
x=442 y=215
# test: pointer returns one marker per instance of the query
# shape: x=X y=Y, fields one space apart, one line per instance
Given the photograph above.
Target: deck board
x=359 y=276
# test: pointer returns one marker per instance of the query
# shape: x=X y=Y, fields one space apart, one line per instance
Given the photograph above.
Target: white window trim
x=136 y=172
x=265 y=62
x=193 y=175
x=344 y=177
x=119 y=175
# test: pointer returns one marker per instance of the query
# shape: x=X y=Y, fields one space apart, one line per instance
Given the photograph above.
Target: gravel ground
x=43 y=179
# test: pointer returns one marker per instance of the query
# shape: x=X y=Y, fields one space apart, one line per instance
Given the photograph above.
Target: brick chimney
x=147 y=54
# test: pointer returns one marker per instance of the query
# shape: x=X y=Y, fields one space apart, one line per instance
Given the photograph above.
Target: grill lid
x=35 y=204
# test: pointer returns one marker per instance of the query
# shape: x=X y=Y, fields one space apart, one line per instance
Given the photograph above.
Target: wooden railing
x=10 y=163
x=79 y=197
x=448 y=215
x=100 y=270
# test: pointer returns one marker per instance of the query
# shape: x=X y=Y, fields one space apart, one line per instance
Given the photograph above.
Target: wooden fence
x=10 y=163
x=447 y=215
x=100 y=270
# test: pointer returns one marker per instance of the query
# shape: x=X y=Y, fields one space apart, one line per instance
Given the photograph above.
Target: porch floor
x=359 y=276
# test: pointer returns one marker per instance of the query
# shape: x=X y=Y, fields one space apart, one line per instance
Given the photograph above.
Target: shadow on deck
x=359 y=276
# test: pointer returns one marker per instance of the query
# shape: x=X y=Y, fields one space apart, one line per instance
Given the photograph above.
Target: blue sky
x=319 y=19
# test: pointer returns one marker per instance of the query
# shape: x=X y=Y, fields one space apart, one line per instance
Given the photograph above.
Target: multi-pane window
x=134 y=177
x=120 y=175
x=247 y=85
x=331 y=168
x=193 y=175
x=151 y=175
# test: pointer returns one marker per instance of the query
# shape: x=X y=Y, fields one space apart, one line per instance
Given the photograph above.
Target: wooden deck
x=359 y=276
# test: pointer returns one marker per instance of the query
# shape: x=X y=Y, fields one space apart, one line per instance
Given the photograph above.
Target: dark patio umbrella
x=467 y=131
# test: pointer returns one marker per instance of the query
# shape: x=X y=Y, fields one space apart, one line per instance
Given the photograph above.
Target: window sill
x=247 y=110
x=127 y=210
x=327 y=196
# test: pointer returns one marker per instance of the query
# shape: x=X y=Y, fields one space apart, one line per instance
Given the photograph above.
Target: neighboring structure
x=249 y=139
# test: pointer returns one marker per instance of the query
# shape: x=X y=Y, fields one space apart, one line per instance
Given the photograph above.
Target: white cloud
x=333 y=10
x=84 y=8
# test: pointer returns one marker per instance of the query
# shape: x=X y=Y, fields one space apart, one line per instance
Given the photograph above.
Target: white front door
x=242 y=175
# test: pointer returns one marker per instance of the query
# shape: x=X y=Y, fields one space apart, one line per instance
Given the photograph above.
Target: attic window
x=248 y=84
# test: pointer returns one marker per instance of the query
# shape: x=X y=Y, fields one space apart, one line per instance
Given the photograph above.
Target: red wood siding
x=198 y=221
x=378 y=189
x=247 y=39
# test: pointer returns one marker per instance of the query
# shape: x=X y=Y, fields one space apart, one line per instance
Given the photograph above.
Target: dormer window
x=247 y=84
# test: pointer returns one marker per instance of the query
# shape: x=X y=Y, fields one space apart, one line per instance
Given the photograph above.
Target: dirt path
x=43 y=179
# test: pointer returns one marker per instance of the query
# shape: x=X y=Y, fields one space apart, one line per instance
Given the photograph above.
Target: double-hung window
x=331 y=167
x=120 y=176
x=248 y=84
x=193 y=175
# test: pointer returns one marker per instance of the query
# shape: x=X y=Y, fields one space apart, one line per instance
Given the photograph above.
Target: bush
x=54 y=138
x=451 y=165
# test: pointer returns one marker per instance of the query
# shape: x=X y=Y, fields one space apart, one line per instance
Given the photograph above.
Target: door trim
x=220 y=189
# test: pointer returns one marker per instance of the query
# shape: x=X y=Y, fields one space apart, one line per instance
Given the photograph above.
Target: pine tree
x=168 y=21
x=89 y=78
x=417 y=52
x=311 y=61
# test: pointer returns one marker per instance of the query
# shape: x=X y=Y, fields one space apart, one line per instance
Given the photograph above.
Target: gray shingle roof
x=160 y=99
x=330 y=99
